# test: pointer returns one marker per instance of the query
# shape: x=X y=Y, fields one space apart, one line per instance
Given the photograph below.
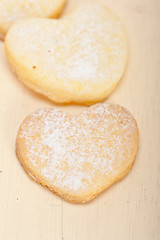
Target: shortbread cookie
x=78 y=157
x=13 y=10
x=79 y=58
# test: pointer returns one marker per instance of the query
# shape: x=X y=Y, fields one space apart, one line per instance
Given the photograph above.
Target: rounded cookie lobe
x=79 y=58
x=78 y=157
x=14 y=10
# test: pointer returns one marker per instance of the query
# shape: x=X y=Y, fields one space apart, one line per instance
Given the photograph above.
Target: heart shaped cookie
x=13 y=10
x=78 y=157
x=79 y=58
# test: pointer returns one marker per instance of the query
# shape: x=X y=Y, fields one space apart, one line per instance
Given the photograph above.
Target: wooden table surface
x=129 y=210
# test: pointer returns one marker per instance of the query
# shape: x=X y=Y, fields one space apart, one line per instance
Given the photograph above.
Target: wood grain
x=129 y=210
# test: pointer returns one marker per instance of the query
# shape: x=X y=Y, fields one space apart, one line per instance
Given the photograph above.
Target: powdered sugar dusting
x=13 y=10
x=88 y=46
x=76 y=153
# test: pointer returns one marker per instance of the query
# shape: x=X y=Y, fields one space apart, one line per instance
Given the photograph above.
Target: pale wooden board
x=129 y=210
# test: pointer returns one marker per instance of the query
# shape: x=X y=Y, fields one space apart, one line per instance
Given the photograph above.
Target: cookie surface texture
x=79 y=58
x=78 y=157
x=13 y=10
